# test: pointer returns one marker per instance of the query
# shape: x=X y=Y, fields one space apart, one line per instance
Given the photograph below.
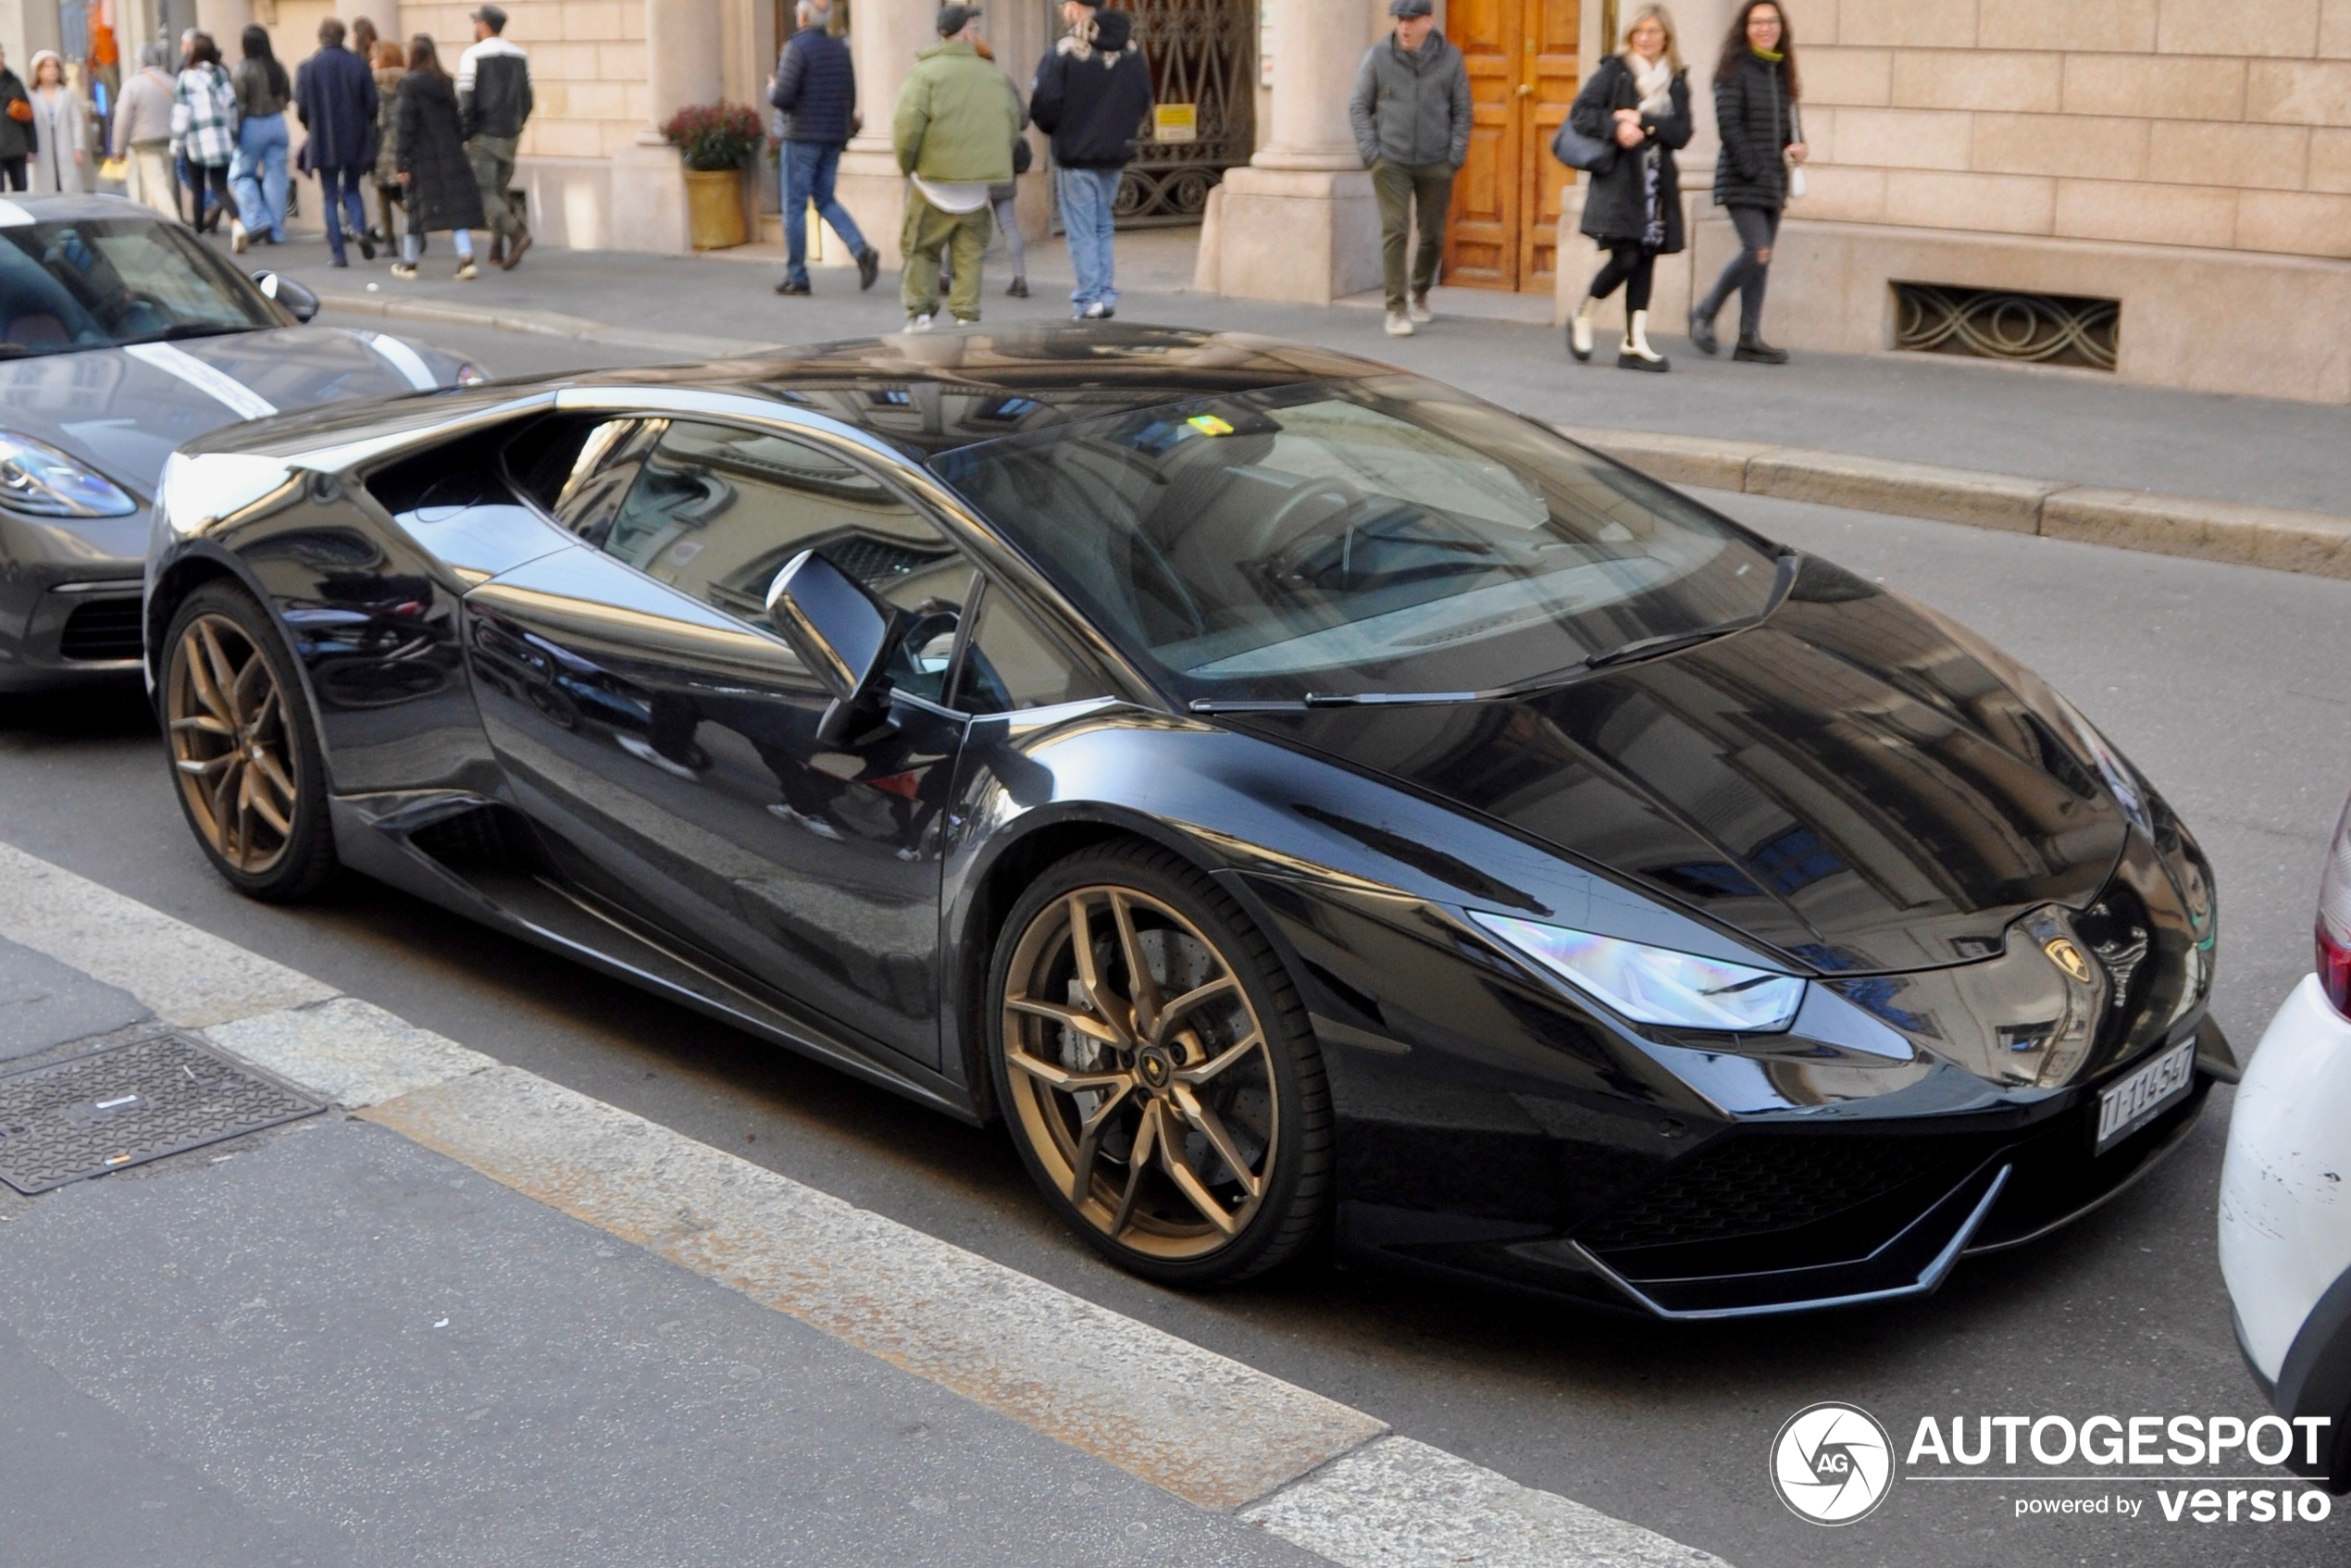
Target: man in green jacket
x=956 y=121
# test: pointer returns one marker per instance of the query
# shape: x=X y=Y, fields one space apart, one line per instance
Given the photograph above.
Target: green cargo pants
x=963 y=234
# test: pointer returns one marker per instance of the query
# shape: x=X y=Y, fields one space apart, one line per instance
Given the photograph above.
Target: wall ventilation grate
x=2001 y=324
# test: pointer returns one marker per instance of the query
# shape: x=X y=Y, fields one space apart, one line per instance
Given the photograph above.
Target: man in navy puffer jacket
x=816 y=86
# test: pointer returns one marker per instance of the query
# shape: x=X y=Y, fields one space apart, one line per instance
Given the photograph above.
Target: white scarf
x=1654 y=82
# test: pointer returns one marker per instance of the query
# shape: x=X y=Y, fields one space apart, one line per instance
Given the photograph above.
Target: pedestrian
x=391 y=63
x=953 y=132
x=182 y=171
x=437 y=175
x=1411 y=114
x=362 y=39
x=814 y=88
x=60 y=128
x=493 y=101
x=204 y=130
x=258 y=173
x=16 y=127
x=1640 y=100
x=1755 y=93
x=143 y=132
x=1091 y=94
x=335 y=96
x=1003 y=201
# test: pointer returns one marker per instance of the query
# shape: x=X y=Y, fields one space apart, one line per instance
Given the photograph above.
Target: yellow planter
x=714 y=208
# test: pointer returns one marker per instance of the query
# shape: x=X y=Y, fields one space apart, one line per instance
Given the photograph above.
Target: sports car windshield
x=100 y=283
x=1358 y=538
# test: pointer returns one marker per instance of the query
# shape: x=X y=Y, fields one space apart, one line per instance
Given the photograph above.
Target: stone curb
x=1215 y=1432
x=542 y=324
x=2239 y=534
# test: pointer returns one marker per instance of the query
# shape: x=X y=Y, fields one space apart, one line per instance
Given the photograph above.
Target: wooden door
x=1523 y=75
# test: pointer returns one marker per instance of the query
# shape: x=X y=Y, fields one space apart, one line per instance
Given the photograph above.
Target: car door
x=652 y=722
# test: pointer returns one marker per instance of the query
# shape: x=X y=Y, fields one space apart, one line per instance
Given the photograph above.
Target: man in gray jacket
x=1411 y=113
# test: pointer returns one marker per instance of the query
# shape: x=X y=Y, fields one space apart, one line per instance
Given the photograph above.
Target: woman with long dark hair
x=1755 y=88
x=257 y=174
x=434 y=171
x=204 y=128
x=1640 y=100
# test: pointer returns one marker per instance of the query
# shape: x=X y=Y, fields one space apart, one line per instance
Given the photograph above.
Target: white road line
x=1206 y=1427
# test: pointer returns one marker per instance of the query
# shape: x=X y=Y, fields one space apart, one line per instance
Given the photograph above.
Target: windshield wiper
x=1622 y=654
x=180 y=329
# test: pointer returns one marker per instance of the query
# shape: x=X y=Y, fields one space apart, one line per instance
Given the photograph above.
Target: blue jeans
x=1087 y=196
x=258 y=174
x=808 y=171
x=339 y=195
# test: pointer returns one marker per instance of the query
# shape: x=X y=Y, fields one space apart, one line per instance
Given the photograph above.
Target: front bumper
x=69 y=598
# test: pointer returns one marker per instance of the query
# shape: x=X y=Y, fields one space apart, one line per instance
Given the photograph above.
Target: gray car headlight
x=39 y=478
x=1655 y=984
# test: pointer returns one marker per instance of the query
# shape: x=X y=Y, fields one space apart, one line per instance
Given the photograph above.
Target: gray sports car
x=121 y=336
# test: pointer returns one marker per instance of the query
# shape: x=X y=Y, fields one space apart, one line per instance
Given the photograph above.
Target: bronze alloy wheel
x=231 y=746
x=1139 y=1072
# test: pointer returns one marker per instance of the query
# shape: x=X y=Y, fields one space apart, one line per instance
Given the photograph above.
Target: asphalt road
x=2220 y=681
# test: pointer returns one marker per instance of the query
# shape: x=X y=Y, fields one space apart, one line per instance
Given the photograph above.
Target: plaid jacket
x=203 y=116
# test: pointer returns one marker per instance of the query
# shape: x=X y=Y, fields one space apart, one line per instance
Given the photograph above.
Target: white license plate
x=2126 y=1107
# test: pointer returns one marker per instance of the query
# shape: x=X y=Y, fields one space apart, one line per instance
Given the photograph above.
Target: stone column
x=225 y=19
x=884 y=37
x=682 y=66
x=1299 y=222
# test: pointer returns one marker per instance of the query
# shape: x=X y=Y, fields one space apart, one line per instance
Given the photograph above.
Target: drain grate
x=126 y=1105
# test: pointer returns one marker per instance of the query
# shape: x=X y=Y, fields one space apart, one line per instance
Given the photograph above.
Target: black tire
x=265 y=714
x=1269 y=1109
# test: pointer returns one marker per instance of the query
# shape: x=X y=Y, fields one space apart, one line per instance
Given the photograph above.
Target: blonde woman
x=1640 y=100
x=61 y=127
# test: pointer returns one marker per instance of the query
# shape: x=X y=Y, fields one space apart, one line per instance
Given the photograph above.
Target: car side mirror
x=843 y=634
x=299 y=301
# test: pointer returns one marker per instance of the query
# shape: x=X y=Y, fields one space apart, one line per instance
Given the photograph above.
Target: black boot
x=1702 y=331
x=1755 y=351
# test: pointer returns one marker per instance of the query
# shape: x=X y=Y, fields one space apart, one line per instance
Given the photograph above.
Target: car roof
x=21 y=209
x=929 y=393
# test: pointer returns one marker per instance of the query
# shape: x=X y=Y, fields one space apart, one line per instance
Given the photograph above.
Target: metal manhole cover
x=125 y=1104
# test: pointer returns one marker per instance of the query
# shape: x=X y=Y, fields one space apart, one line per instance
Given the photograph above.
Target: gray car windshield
x=1357 y=538
x=99 y=282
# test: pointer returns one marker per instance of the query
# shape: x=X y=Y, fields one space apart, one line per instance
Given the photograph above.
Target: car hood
x=124 y=410
x=1853 y=783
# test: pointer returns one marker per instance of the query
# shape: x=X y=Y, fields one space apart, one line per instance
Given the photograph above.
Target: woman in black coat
x=433 y=166
x=1640 y=100
x=1755 y=94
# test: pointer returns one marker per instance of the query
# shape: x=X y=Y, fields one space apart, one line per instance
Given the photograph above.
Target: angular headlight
x=40 y=480
x=1655 y=984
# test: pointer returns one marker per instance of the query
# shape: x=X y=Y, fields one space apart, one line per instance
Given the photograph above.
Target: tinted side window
x=715 y=512
x=1013 y=664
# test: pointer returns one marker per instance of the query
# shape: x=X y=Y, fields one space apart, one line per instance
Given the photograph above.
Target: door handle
x=1527 y=90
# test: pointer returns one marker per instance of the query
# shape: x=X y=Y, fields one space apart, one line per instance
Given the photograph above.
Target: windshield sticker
x=242 y=399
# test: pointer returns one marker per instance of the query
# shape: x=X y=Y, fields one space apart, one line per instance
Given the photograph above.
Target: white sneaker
x=1419 y=311
x=1399 y=325
x=918 y=323
x=238 y=238
x=1097 y=311
x=404 y=269
x=465 y=273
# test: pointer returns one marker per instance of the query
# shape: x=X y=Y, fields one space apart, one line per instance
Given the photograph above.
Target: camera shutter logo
x=1832 y=1463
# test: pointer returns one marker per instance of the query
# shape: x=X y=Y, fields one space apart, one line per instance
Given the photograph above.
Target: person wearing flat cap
x=493 y=100
x=1411 y=116
x=953 y=130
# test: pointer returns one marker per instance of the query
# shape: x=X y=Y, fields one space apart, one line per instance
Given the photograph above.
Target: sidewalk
x=445 y=1312
x=2076 y=427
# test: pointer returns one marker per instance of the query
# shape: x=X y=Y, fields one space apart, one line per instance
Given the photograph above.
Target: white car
x=2285 y=1212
